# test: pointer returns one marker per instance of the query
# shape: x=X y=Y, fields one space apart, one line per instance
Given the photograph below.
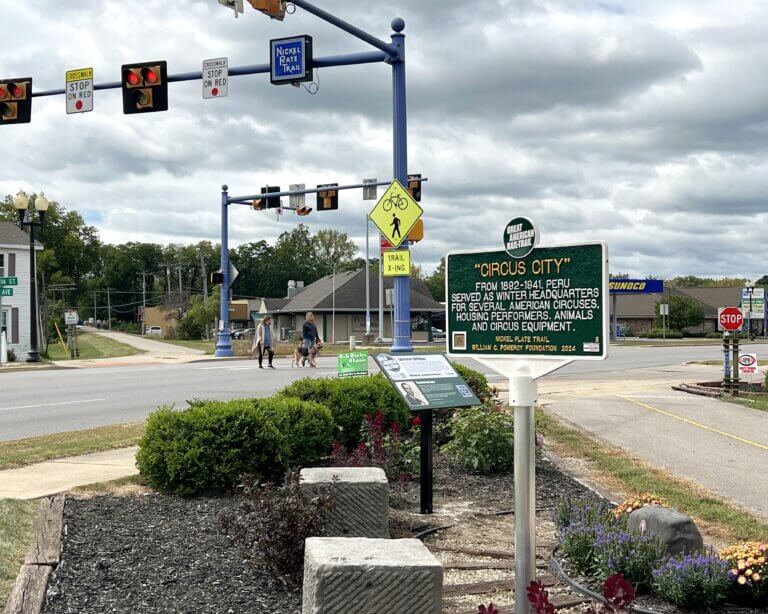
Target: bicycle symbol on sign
x=396 y=201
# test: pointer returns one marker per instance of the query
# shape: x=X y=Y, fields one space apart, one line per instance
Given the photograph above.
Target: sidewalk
x=155 y=352
x=60 y=475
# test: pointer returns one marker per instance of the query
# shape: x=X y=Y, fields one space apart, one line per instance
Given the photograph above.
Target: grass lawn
x=759 y=403
x=196 y=344
x=16 y=518
x=625 y=472
x=92 y=346
x=37 y=449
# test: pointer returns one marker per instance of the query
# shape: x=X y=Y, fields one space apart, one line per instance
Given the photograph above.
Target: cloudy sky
x=643 y=123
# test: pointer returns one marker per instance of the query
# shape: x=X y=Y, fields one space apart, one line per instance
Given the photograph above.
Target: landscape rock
x=361 y=501
x=676 y=530
x=376 y=576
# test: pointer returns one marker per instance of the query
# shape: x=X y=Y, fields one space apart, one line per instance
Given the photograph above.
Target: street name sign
x=215 y=78
x=426 y=381
x=730 y=318
x=352 y=364
x=396 y=262
x=79 y=90
x=290 y=60
x=6 y=291
x=396 y=213
x=552 y=303
x=9 y=281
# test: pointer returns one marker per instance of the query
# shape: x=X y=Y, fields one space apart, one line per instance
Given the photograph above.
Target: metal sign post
x=526 y=311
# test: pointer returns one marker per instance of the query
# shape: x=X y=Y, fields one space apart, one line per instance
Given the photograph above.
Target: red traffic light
x=15 y=101
x=150 y=76
x=303 y=211
x=132 y=78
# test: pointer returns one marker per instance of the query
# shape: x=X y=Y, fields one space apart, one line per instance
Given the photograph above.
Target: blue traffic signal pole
x=224 y=342
x=401 y=341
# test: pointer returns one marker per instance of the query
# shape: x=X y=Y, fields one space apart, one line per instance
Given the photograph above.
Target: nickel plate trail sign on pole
x=553 y=303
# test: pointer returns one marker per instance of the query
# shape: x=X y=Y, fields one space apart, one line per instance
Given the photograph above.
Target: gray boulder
x=676 y=530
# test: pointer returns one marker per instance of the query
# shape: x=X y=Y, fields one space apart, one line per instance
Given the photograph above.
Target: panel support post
x=522 y=396
x=224 y=343
x=401 y=334
x=425 y=470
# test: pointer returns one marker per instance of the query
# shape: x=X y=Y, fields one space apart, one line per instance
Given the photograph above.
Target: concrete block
x=676 y=530
x=362 y=500
x=375 y=576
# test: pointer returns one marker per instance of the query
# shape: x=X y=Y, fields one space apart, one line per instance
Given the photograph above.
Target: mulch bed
x=152 y=553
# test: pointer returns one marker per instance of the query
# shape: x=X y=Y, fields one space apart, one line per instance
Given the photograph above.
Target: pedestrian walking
x=262 y=341
x=310 y=338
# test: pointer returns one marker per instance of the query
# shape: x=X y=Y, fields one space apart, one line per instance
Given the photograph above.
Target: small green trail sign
x=552 y=303
x=352 y=364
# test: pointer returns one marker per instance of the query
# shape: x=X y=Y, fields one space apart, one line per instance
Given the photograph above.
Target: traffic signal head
x=145 y=87
x=16 y=101
x=414 y=186
x=274 y=8
x=257 y=204
x=272 y=203
x=303 y=210
x=327 y=199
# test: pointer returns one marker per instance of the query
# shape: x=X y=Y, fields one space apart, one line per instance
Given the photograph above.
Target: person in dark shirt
x=310 y=338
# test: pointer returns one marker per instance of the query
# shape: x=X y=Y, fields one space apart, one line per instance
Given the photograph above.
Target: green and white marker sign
x=520 y=237
x=426 y=381
x=6 y=291
x=353 y=364
x=551 y=303
x=9 y=281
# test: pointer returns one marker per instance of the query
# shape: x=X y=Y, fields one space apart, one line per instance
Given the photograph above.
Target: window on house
x=2 y=265
x=4 y=322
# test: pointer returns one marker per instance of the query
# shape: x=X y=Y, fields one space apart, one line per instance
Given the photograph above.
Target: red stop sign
x=731 y=318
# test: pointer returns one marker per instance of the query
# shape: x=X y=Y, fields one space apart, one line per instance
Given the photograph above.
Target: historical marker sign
x=291 y=59
x=79 y=90
x=215 y=78
x=426 y=381
x=552 y=303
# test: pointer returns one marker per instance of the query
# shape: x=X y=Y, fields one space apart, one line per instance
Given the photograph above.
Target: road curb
x=29 y=591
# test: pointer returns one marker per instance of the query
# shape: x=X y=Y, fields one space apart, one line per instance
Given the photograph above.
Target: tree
x=763 y=281
x=684 y=312
x=436 y=282
x=200 y=314
x=334 y=249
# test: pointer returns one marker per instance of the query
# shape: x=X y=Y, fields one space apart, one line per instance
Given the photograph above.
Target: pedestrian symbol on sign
x=395 y=225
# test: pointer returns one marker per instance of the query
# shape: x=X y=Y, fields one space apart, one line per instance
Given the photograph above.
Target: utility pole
x=94 y=309
x=144 y=290
x=109 y=310
x=205 y=277
x=168 y=278
x=181 y=289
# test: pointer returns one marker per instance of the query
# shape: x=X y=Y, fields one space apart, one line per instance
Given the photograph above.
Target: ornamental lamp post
x=26 y=211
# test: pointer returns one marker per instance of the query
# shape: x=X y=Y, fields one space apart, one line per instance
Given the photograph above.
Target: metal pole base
x=426 y=476
x=522 y=395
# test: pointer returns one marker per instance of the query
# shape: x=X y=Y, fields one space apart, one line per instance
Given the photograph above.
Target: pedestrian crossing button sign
x=396 y=213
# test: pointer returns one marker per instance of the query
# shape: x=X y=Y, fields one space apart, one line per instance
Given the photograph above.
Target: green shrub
x=693 y=582
x=211 y=444
x=635 y=555
x=475 y=380
x=483 y=440
x=308 y=427
x=714 y=335
x=350 y=400
x=657 y=333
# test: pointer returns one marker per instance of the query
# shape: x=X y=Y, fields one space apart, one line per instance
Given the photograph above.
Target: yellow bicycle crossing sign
x=396 y=213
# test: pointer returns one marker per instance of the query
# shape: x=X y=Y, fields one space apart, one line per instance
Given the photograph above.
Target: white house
x=14 y=310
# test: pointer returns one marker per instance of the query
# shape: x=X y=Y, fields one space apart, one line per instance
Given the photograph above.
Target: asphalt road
x=53 y=401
